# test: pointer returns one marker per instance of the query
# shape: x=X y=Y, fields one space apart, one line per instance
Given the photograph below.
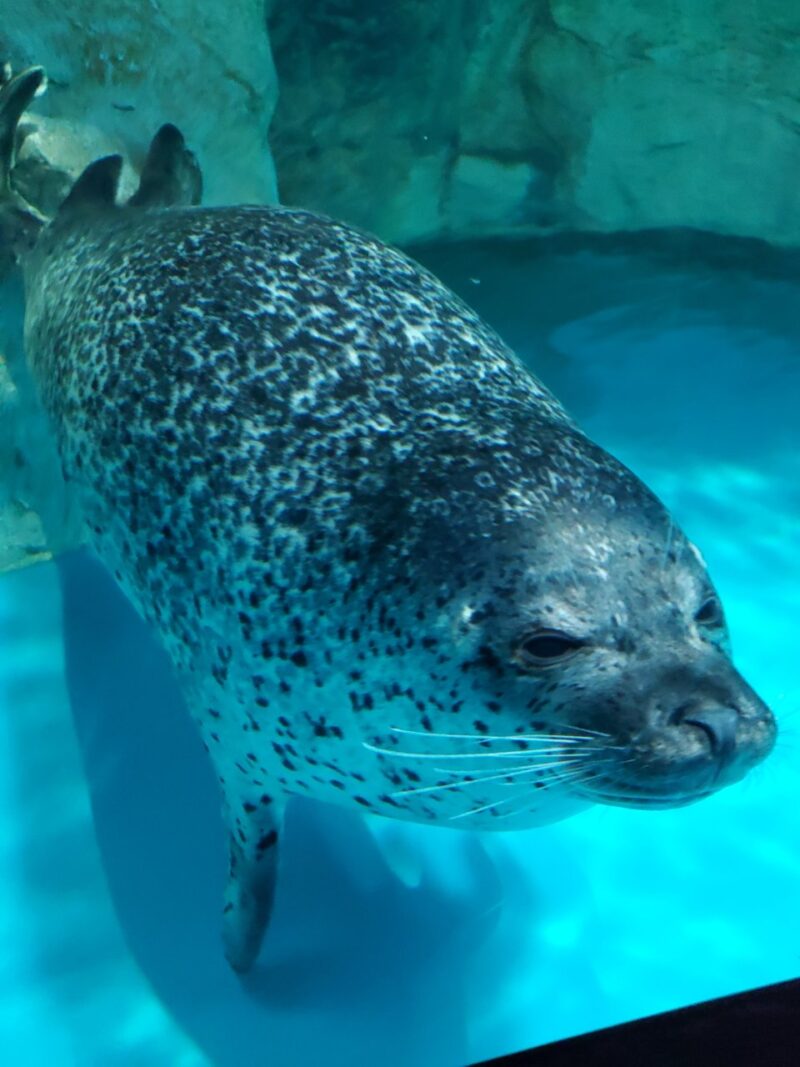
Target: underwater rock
x=115 y=75
x=677 y=114
x=116 y=67
x=53 y=152
x=510 y=117
x=38 y=515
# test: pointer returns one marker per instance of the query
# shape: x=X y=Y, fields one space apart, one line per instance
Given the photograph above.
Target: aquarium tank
x=399 y=524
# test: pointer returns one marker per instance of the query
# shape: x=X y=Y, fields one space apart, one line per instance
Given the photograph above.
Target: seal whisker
x=514 y=772
x=482 y=807
x=574 y=775
x=522 y=809
x=576 y=732
x=561 y=777
x=462 y=783
x=538 y=766
x=504 y=754
x=506 y=800
x=570 y=739
x=465 y=783
x=567 y=774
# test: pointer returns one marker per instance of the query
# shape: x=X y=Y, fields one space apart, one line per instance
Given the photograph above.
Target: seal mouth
x=696 y=782
x=651 y=801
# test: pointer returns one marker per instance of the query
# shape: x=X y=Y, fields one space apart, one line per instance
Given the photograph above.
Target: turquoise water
x=686 y=369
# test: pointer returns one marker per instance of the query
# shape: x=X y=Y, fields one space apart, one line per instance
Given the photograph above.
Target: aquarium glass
x=612 y=188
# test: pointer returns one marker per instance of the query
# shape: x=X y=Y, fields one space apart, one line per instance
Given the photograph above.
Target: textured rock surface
x=118 y=69
x=418 y=119
x=125 y=66
x=38 y=517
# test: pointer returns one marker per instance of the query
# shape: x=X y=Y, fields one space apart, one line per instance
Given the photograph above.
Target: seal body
x=390 y=571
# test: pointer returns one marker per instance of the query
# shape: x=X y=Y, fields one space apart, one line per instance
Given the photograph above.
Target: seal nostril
x=678 y=715
x=719 y=725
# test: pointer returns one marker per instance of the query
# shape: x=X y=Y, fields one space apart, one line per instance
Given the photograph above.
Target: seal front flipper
x=171 y=176
x=252 y=875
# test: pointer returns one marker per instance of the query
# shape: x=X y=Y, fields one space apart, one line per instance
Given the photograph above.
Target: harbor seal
x=390 y=571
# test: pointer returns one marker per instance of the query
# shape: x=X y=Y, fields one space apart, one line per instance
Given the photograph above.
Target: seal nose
x=719 y=725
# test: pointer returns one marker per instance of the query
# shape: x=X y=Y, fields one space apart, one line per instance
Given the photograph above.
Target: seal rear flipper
x=20 y=222
x=171 y=175
x=15 y=97
x=252 y=877
x=95 y=189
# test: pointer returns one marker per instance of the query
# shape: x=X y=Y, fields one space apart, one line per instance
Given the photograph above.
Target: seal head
x=587 y=651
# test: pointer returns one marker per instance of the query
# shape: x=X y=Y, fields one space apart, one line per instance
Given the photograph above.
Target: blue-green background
x=685 y=363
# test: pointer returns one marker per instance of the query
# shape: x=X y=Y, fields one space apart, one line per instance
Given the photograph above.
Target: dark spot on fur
x=267 y=840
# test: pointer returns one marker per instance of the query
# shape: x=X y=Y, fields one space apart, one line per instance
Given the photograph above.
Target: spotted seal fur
x=389 y=569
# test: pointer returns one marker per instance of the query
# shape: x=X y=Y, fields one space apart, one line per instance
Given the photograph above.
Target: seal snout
x=716 y=730
x=732 y=730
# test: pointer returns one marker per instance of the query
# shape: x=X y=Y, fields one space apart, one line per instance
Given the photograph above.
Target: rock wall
x=422 y=120
x=38 y=516
x=123 y=67
x=117 y=70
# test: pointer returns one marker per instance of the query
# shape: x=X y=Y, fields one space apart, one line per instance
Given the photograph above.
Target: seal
x=389 y=569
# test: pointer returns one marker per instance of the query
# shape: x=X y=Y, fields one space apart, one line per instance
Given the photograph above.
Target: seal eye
x=548 y=646
x=709 y=613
